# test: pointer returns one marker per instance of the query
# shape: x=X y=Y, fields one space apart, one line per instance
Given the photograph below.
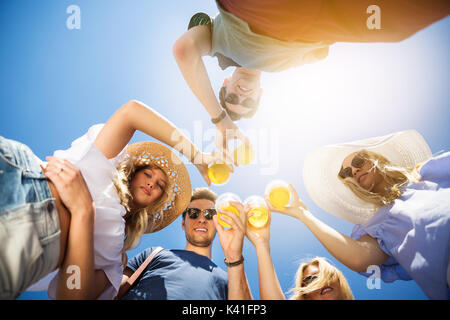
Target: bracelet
x=233 y=264
x=219 y=118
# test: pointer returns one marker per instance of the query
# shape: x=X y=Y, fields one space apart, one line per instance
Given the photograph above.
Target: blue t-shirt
x=177 y=275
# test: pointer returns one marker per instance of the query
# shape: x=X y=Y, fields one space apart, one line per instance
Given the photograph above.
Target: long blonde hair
x=395 y=176
x=328 y=274
x=137 y=223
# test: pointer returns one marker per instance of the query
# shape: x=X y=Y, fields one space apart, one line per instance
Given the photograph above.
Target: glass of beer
x=279 y=194
x=244 y=154
x=259 y=210
x=223 y=203
x=219 y=173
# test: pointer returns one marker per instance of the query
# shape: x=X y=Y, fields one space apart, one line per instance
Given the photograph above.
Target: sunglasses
x=308 y=280
x=193 y=213
x=233 y=98
x=357 y=162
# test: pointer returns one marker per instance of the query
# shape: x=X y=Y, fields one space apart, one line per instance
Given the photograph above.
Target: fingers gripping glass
x=193 y=213
x=357 y=162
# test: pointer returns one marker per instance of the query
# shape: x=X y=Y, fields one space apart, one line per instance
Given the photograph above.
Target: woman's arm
x=269 y=286
x=135 y=115
x=355 y=254
x=77 y=277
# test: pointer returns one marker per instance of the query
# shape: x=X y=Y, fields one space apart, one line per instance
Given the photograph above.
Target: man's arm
x=232 y=241
x=238 y=288
x=188 y=51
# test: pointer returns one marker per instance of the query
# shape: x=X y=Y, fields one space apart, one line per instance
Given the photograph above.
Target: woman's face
x=331 y=292
x=363 y=171
x=147 y=186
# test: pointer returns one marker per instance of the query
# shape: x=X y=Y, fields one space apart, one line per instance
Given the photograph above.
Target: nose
x=201 y=217
x=355 y=171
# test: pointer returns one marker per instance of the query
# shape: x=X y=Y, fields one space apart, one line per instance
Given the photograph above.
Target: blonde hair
x=395 y=176
x=328 y=274
x=137 y=223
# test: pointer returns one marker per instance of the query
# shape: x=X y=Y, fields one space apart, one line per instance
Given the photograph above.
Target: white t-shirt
x=109 y=227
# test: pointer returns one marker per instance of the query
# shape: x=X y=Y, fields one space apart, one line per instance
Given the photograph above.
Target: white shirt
x=109 y=226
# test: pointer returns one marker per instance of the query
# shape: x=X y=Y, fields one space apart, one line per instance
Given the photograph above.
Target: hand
x=232 y=239
x=70 y=185
x=227 y=130
x=204 y=160
x=296 y=209
x=259 y=236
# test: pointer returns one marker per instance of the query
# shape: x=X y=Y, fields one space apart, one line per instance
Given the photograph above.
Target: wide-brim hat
x=179 y=183
x=321 y=168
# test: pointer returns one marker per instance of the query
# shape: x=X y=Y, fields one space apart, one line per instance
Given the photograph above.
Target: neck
x=381 y=187
x=252 y=72
x=203 y=251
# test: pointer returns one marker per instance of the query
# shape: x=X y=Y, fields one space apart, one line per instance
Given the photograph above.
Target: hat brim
x=161 y=156
x=321 y=168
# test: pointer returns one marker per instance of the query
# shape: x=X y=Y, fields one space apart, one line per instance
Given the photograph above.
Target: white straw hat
x=321 y=168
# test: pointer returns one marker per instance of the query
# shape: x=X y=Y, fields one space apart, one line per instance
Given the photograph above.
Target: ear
x=225 y=82
x=183 y=227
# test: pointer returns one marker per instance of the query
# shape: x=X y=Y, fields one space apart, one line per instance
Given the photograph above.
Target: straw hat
x=179 y=183
x=321 y=168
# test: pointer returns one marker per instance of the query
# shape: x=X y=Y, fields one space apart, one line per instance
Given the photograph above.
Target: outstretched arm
x=269 y=286
x=232 y=241
x=188 y=51
x=355 y=254
x=135 y=115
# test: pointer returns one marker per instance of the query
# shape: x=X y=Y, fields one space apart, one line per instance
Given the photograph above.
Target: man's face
x=199 y=232
x=242 y=91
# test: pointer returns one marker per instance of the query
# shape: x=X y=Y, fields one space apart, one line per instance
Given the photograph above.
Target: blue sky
x=55 y=83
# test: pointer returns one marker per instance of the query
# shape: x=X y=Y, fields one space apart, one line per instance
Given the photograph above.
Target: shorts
x=29 y=221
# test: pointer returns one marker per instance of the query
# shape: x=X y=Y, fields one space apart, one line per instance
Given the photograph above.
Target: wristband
x=219 y=118
x=233 y=264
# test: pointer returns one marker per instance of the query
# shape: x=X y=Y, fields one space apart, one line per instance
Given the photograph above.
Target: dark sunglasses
x=193 y=213
x=357 y=162
x=233 y=98
x=308 y=280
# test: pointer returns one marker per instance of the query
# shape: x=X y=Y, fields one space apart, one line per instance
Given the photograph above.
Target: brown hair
x=202 y=193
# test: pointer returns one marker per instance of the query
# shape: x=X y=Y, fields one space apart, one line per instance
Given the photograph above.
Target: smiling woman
x=398 y=196
x=373 y=178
